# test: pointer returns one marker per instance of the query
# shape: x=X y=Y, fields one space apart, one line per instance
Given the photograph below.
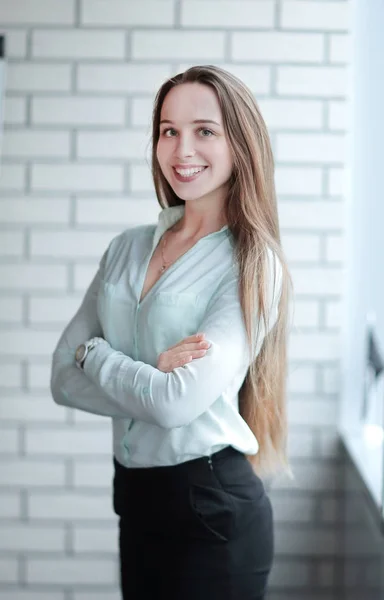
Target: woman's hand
x=194 y=346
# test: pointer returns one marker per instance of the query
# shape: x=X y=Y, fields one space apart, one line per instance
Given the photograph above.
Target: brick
x=337 y=182
x=26 y=276
x=314 y=346
x=289 y=573
x=320 y=147
x=301 y=14
x=300 y=542
x=29 y=408
x=83 y=275
x=30 y=144
x=88 y=418
x=141 y=179
x=38 y=376
x=275 y=47
x=69 y=442
x=314 y=215
x=313 y=412
x=16 y=41
x=326 y=82
x=10 y=505
x=314 y=477
x=292 y=114
x=74 y=177
x=32 y=210
x=302 y=379
x=112 y=144
x=11 y=309
x=9 y=570
x=256 y=77
x=71 y=571
x=306 y=314
x=76 y=244
x=14 y=110
x=28 y=12
x=190 y=44
x=331 y=375
x=38 y=77
x=111 y=211
x=23 y=537
x=141 y=112
x=48 y=309
x=338 y=114
x=330 y=510
x=335 y=250
x=126 y=78
x=10 y=376
x=11 y=244
x=329 y=444
x=300 y=444
x=340 y=48
x=299 y=511
x=26 y=343
x=122 y=13
x=334 y=314
x=302 y=247
x=78 y=111
x=87 y=539
x=93 y=474
x=23 y=472
x=298 y=181
x=78 y=44
x=238 y=14
x=70 y=506
x=326 y=573
x=12 y=177
x=9 y=444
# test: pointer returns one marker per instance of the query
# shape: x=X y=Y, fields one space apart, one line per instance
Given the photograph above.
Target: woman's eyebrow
x=195 y=121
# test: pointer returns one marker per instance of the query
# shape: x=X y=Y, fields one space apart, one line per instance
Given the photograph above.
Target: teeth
x=189 y=172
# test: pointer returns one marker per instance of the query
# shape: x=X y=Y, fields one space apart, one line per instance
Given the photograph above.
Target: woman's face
x=192 y=150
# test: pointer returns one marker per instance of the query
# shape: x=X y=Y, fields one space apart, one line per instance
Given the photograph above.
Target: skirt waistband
x=189 y=465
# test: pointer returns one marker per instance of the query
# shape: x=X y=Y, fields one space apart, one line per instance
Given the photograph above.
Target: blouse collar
x=169 y=216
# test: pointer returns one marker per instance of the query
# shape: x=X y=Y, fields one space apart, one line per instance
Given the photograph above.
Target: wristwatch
x=83 y=350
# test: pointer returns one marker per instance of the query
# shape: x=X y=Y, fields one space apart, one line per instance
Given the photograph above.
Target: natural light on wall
x=361 y=415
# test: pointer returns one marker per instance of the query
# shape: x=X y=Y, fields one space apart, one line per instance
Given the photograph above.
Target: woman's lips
x=185 y=179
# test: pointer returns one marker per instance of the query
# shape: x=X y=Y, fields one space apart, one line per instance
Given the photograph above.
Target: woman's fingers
x=181 y=354
x=197 y=337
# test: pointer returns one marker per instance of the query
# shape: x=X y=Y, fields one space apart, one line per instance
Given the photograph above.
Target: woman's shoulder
x=138 y=234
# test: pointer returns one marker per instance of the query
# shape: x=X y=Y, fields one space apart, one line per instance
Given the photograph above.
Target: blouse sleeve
x=175 y=399
x=69 y=385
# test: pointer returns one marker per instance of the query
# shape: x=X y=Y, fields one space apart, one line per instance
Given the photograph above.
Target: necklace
x=164 y=265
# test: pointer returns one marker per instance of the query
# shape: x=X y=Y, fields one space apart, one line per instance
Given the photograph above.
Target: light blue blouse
x=162 y=418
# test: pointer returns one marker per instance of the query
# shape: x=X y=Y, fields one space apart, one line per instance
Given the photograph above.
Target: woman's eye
x=166 y=131
x=205 y=131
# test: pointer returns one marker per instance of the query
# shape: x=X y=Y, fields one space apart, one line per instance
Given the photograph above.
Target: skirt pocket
x=213 y=511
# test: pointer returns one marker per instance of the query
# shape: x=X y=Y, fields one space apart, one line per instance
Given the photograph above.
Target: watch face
x=80 y=352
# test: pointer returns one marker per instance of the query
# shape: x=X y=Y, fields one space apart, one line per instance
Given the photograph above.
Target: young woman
x=181 y=339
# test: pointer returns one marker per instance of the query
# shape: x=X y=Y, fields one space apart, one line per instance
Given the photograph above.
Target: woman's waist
x=138 y=444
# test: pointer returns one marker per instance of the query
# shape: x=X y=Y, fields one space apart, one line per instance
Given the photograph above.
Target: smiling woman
x=182 y=341
x=192 y=145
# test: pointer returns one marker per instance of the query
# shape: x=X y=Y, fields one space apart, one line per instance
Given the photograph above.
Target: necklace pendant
x=163 y=269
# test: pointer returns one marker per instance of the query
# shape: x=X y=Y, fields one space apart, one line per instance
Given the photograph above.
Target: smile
x=188 y=174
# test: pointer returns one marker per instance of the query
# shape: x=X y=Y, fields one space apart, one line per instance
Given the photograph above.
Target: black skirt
x=202 y=529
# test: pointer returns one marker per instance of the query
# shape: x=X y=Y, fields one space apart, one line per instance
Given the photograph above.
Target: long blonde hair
x=252 y=217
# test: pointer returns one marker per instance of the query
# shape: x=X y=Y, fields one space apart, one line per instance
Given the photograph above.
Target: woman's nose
x=185 y=147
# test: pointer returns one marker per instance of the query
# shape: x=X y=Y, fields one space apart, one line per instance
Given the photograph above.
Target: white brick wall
x=81 y=79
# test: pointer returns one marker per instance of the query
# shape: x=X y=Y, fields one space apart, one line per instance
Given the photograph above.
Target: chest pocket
x=172 y=316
